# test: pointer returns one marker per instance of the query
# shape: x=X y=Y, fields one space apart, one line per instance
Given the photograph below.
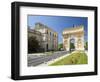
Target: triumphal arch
x=73 y=37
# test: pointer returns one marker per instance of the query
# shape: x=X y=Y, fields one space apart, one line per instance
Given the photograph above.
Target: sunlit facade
x=47 y=37
x=75 y=35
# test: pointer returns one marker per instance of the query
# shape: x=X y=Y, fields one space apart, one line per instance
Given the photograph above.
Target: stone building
x=50 y=37
x=38 y=35
x=73 y=35
x=47 y=37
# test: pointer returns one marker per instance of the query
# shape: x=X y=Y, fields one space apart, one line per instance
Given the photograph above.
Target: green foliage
x=72 y=46
x=86 y=46
x=60 y=46
x=33 y=45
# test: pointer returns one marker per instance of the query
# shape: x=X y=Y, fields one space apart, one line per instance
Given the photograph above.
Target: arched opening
x=72 y=44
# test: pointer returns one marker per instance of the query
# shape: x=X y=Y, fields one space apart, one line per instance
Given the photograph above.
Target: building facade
x=50 y=37
x=47 y=37
x=73 y=35
x=38 y=35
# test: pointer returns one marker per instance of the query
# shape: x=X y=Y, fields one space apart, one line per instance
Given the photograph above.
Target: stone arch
x=77 y=34
x=72 y=44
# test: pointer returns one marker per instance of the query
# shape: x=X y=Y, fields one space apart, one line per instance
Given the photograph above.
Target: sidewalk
x=54 y=60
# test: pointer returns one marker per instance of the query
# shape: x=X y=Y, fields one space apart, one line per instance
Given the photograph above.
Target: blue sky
x=58 y=23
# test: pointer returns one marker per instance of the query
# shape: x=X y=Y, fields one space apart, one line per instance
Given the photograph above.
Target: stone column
x=80 y=43
x=66 y=42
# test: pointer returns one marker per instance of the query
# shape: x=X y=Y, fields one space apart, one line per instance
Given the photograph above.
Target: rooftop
x=74 y=29
x=43 y=26
x=34 y=31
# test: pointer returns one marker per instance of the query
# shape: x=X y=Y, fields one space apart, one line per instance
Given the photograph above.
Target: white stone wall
x=76 y=34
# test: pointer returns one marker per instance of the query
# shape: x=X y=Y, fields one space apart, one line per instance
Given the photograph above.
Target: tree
x=72 y=47
x=33 y=45
x=86 y=45
x=60 y=46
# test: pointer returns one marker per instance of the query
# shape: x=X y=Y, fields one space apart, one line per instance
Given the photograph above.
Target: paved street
x=35 y=60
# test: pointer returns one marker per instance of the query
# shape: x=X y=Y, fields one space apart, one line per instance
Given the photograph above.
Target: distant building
x=74 y=35
x=46 y=36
